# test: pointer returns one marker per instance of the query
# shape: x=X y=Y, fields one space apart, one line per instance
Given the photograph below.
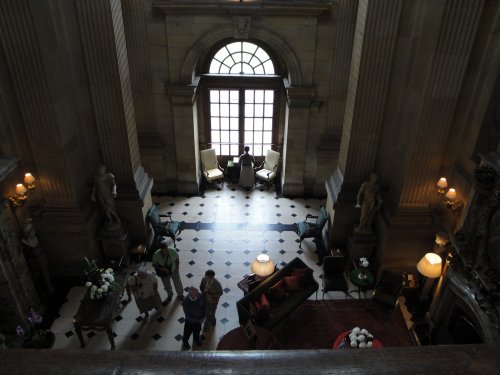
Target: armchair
x=307 y=229
x=388 y=288
x=169 y=228
x=266 y=172
x=211 y=169
x=334 y=278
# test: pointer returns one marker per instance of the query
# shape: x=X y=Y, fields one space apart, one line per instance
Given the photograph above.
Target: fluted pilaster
x=436 y=85
x=134 y=22
x=41 y=103
x=345 y=23
x=105 y=51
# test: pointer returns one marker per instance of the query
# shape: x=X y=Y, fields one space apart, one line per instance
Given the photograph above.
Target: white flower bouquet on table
x=100 y=281
x=360 y=338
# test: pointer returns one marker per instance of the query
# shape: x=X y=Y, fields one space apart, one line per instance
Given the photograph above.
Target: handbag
x=161 y=273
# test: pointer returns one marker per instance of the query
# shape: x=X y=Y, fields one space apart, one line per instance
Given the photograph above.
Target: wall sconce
x=449 y=198
x=21 y=194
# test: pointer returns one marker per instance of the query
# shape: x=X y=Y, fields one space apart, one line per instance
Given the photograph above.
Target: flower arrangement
x=34 y=335
x=100 y=281
x=360 y=338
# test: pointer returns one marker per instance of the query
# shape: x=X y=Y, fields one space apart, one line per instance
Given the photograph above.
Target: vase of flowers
x=34 y=335
x=360 y=338
x=100 y=281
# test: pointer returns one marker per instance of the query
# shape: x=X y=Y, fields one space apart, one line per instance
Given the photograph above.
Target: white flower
x=361 y=338
x=104 y=288
x=93 y=288
x=356 y=330
x=369 y=344
x=354 y=344
x=109 y=270
x=362 y=345
x=364 y=332
x=88 y=283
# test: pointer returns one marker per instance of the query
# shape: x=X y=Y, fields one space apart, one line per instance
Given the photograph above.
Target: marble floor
x=225 y=231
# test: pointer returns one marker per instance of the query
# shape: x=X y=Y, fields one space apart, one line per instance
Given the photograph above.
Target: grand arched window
x=242 y=99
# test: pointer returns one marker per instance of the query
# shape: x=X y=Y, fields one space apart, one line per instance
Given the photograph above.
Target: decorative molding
x=241 y=26
x=303 y=8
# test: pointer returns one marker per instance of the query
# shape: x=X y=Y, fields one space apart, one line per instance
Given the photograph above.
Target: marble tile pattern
x=225 y=230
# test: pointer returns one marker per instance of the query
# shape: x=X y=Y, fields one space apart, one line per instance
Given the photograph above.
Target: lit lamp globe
x=430 y=265
x=262 y=266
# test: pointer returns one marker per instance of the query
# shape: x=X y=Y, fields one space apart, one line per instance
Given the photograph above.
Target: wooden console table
x=98 y=315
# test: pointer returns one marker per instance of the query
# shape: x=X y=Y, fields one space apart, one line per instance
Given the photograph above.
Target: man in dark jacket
x=194 y=309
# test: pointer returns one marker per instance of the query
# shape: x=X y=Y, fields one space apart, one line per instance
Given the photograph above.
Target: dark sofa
x=281 y=309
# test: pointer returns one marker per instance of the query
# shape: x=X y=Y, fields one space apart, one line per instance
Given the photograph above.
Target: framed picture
x=249 y=330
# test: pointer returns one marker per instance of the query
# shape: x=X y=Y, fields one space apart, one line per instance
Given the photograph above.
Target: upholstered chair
x=310 y=229
x=267 y=171
x=211 y=170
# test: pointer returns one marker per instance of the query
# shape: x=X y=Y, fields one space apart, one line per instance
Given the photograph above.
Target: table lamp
x=262 y=266
x=430 y=267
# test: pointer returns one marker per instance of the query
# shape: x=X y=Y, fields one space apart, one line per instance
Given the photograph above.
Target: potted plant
x=100 y=281
x=35 y=336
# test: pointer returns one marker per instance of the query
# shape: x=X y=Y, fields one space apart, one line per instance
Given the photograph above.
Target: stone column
x=443 y=49
x=187 y=149
x=105 y=51
x=39 y=74
x=295 y=139
x=372 y=55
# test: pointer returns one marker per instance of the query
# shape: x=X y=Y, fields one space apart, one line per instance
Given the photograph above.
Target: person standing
x=247 y=174
x=212 y=291
x=194 y=310
x=166 y=264
x=144 y=287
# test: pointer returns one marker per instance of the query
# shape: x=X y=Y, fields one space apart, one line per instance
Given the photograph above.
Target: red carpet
x=316 y=325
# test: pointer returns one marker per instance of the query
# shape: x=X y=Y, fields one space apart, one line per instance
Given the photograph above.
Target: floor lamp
x=430 y=268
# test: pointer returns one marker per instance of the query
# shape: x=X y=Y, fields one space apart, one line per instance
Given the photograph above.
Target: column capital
x=182 y=94
x=299 y=96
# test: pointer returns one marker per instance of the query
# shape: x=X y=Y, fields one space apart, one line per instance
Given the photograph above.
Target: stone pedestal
x=115 y=243
x=361 y=245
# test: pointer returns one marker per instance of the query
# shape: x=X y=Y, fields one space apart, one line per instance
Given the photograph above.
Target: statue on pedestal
x=104 y=192
x=370 y=201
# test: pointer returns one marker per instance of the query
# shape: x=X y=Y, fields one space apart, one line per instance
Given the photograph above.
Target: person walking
x=166 y=264
x=194 y=310
x=212 y=291
x=144 y=286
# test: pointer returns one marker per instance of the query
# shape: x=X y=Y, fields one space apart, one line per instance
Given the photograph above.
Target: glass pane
x=249 y=123
x=233 y=123
x=268 y=67
x=214 y=110
x=224 y=150
x=224 y=123
x=249 y=47
x=255 y=61
x=235 y=69
x=224 y=96
x=224 y=136
x=234 y=47
x=214 y=123
x=247 y=69
x=269 y=96
x=224 y=110
x=214 y=96
x=268 y=137
x=246 y=57
x=259 y=69
x=261 y=54
x=224 y=69
x=221 y=54
x=215 y=136
x=268 y=124
x=234 y=137
x=248 y=137
x=233 y=108
x=268 y=110
x=259 y=96
x=248 y=96
x=234 y=96
x=258 y=124
x=234 y=150
x=257 y=137
x=257 y=149
x=259 y=110
x=248 y=110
